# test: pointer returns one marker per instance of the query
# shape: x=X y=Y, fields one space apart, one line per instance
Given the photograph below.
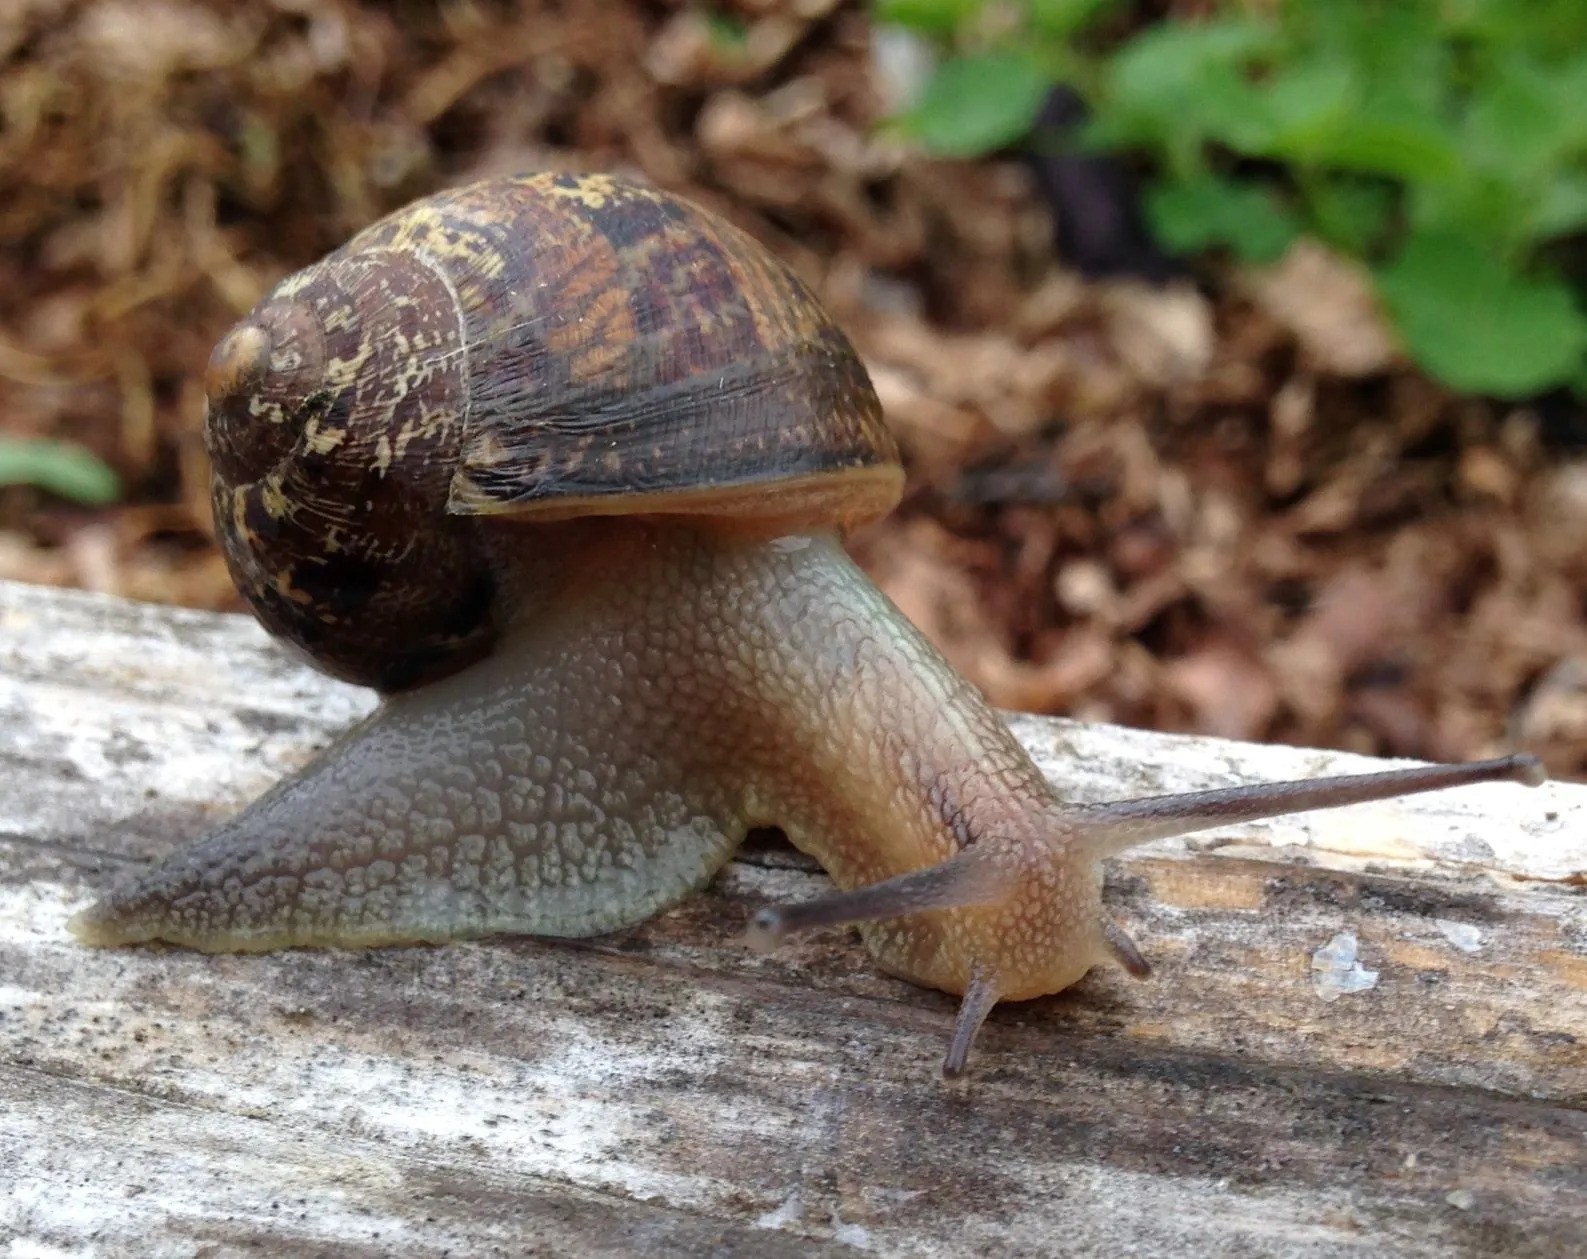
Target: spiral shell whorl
x=332 y=470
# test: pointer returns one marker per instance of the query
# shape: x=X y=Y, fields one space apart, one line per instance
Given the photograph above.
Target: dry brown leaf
x=1328 y=304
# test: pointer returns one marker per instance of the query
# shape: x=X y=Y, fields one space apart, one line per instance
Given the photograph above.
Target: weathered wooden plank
x=239 y=1176
x=667 y=1089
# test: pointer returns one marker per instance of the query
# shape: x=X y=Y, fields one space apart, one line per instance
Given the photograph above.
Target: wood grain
x=668 y=1091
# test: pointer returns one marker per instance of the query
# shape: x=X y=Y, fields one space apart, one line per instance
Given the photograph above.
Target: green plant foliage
x=1441 y=142
x=936 y=17
x=1478 y=324
x=1060 y=19
x=58 y=467
x=1174 y=87
x=977 y=103
x=1353 y=215
x=1208 y=212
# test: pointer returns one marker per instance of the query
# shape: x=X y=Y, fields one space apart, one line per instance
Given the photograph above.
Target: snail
x=562 y=467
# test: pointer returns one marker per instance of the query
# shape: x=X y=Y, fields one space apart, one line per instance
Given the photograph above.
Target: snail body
x=561 y=466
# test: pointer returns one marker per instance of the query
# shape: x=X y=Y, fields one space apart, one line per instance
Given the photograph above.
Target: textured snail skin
x=611 y=756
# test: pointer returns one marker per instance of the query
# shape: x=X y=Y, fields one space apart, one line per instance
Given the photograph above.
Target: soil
x=1185 y=497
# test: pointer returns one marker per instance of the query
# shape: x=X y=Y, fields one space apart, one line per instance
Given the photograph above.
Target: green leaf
x=935 y=17
x=1477 y=207
x=1064 y=19
x=1548 y=24
x=1395 y=49
x=1562 y=209
x=1383 y=145
x=1305 y=104
x=1526 y=117
x=1207 y=212
x=977 y=104
x=59 y=467
x=1164 y=64
x=1180 y=84
x=1478 y=326
x=1350 y=214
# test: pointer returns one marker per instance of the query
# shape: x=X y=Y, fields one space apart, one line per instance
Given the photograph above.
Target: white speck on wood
x=1464 y=936
x=1335 y=969
x=790 y=1211
x=855 y=1235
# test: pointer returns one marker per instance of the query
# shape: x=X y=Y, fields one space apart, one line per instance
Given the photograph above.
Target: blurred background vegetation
x=1238 y=350
x=1442 y=144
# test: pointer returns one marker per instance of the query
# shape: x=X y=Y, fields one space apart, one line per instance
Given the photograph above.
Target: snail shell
x=517 y=350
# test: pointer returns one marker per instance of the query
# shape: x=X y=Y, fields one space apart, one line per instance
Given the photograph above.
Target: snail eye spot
x=238 y=364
